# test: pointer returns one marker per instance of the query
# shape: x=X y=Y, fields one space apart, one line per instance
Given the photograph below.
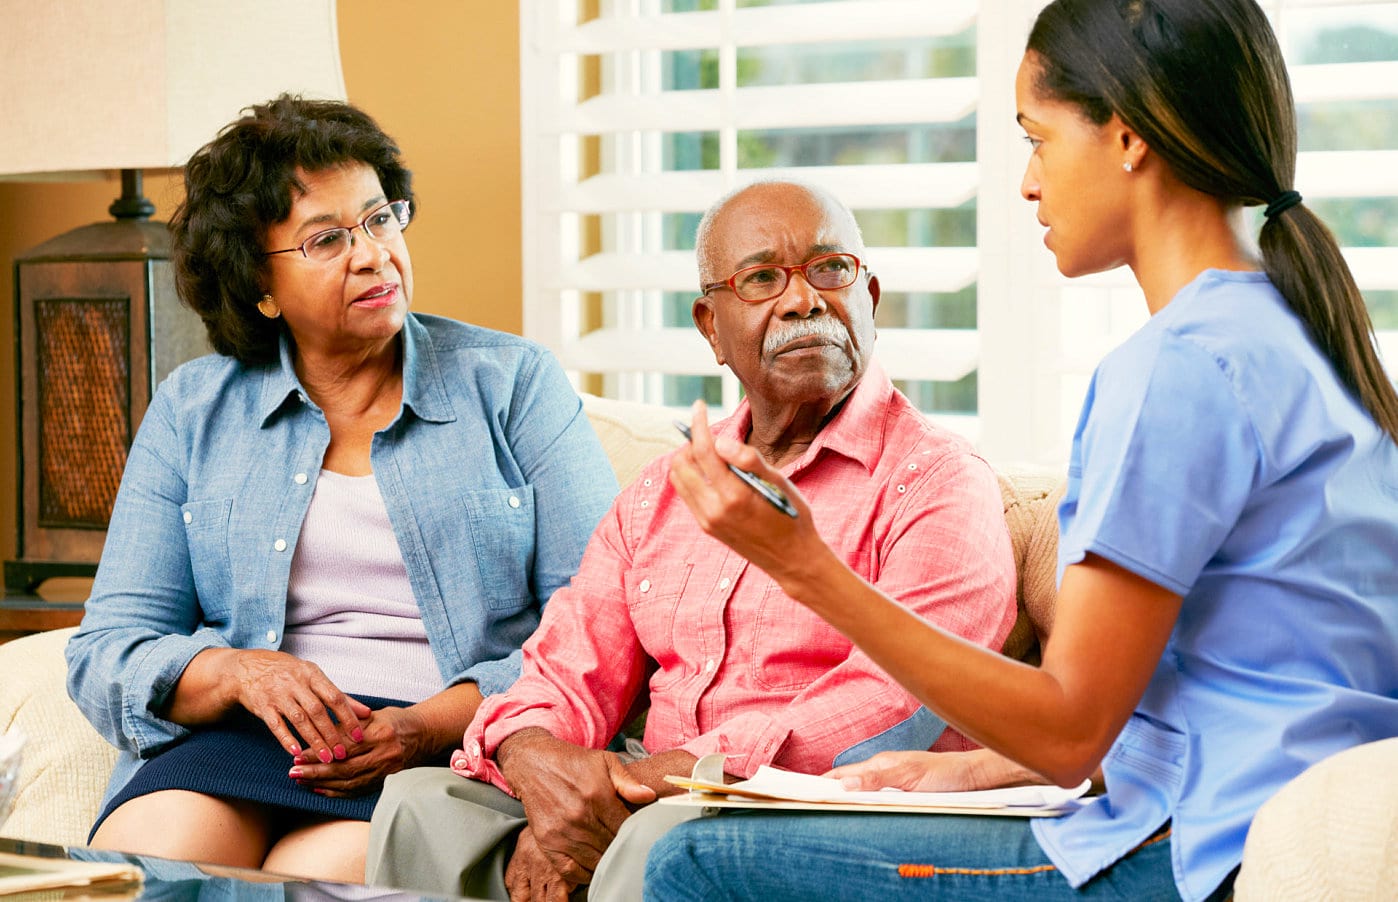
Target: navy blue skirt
x=239 y=758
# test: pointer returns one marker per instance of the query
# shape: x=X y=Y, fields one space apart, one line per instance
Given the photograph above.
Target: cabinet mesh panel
x=84 y=408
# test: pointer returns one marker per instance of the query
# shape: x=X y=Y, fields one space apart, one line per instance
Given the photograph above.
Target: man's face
x=806 y=345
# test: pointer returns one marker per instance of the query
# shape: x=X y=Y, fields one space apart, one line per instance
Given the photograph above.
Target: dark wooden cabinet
x=98 y=325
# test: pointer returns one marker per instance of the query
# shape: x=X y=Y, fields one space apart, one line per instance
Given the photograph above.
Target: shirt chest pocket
x=502 y=535
x=792 y=646
x=206 y=526
x=653 y=596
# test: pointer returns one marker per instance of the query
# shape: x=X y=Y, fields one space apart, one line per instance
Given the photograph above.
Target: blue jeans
x=777 y=856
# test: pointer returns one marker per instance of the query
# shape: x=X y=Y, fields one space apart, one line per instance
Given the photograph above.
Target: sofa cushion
x=1030 y=496
x=633 y=434
x=66 y=763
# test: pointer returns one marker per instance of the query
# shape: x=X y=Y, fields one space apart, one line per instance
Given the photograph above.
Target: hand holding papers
x=773 y=788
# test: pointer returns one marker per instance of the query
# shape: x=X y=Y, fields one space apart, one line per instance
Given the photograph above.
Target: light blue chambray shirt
x=491 y=474
x=1220 y=457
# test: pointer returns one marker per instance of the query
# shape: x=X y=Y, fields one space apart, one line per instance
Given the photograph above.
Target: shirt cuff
x=151 y=680
x=476 y=757
x=471 y=763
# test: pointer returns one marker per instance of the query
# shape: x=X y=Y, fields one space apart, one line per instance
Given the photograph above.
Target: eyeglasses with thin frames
x=383 y=224
x=765 y=281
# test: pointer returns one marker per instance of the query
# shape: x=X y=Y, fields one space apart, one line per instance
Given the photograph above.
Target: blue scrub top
x=1219 y=456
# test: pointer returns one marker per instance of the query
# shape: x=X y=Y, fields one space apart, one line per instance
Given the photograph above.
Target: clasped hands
x=575 y=800
x=339 y=747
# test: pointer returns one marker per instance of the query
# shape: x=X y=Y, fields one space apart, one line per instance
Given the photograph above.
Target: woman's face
x=355 y=301
x=1075 y=175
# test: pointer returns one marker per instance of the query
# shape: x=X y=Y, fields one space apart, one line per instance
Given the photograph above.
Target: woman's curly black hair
x=244 y=181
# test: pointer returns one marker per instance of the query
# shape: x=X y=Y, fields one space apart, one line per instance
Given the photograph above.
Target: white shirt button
x=902 y=489
x=271 y=635
x=912 y=466
x=299 y=478
x=188 y=517
x=709 y=666
x=645 y=585
x=724 y=583
x=645 y=482
x=645 y=504
x=279 y=544
x=514 y=502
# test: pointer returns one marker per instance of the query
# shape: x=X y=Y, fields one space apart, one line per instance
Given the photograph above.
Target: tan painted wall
x=441 y=76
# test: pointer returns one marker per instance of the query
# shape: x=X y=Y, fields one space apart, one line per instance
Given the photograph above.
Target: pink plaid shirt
x=732 y=664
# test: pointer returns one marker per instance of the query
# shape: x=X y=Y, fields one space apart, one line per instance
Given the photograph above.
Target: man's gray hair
x=703 y=252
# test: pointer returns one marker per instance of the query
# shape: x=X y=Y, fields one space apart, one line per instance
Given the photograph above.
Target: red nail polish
x=295 y=773
x=339 y=751
x=325 y=756
x=357 y=734
x=294 y=749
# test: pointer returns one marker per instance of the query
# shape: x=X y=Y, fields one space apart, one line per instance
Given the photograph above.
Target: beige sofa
x=66 y=763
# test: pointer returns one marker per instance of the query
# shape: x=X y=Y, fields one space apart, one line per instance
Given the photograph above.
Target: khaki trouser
x=437 y=832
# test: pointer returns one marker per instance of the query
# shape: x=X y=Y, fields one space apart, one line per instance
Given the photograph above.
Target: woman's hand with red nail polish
x=393 y=739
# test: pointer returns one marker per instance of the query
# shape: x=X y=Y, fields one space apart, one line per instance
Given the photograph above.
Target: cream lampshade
x=88 y=88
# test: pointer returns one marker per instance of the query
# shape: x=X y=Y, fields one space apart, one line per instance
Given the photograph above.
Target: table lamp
x=128 y=86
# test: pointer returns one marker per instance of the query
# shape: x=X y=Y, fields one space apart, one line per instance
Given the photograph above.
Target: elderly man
x=731 y=664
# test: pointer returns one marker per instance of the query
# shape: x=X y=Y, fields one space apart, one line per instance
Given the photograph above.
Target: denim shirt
x=491 y=474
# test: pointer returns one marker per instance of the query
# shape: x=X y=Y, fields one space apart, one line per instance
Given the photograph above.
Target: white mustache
x=785 y=331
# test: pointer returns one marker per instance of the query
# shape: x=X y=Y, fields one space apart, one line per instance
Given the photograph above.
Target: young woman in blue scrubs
x=1228 y=604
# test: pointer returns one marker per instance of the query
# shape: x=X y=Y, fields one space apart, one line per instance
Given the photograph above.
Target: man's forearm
x=515 y=747
x=652 y=770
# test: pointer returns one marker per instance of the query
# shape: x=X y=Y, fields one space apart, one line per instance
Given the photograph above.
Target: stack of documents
x=27 y=873
x=774 y=788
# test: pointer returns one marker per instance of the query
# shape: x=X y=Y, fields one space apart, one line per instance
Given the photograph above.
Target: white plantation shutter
x=637 y=114
x=1344 y=71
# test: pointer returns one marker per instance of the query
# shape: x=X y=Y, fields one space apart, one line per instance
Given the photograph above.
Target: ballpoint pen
x=764 y=488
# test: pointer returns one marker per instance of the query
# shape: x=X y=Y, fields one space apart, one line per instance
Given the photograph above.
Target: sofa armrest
x=1331 y=833
x=66 y=764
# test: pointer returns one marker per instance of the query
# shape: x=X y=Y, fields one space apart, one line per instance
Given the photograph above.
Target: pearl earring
x=1126 y=166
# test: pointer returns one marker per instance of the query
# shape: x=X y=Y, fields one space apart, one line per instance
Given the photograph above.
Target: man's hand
x=531 y=877
x=394 y=739
x=575 y=798
x=935 y=772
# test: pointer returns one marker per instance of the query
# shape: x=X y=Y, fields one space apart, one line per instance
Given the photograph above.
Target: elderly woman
x=332 y=535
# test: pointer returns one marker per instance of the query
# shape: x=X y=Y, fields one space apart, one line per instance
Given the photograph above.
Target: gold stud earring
x=1126 y=166
x=268 y=307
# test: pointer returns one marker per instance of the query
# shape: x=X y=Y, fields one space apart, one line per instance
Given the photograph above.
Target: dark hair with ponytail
x=1204 y=85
